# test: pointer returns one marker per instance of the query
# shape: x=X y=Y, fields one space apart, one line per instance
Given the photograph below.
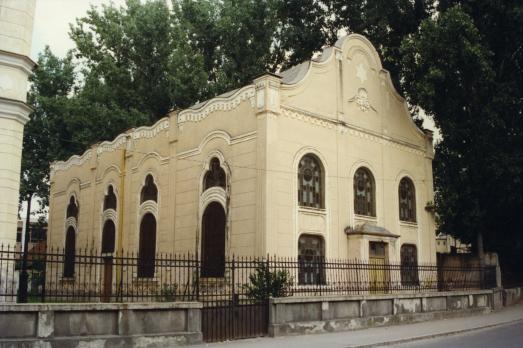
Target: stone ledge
x=336 y=298
x=324 y=326
x=61 y=307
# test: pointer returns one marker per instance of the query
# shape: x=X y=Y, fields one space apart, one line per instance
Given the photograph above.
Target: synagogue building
x=322 y=160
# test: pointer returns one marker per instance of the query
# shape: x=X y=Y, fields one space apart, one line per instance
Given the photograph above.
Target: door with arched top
x=213 y=241
x=108 y=243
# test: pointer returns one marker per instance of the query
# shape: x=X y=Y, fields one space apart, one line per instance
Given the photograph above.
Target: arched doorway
x=213 y=241
x=70 y=252
x=108 y=243
x=147 y=248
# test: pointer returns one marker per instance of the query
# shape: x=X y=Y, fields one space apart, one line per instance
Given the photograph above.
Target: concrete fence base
x=100 y=325
x=304 y=315
x=512 y=296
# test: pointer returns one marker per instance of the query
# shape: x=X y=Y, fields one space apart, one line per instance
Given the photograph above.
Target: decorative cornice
x=217 y=134
x=325 y=122
x=15 y=109
x=123 y=140
x=18 y=61
x=217 y=104
x=152 y=131
x=73 y=160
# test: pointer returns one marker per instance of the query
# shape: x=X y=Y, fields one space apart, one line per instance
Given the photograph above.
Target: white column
x=16 y=27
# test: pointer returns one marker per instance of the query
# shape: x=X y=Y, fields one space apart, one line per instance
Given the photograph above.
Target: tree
x=45 y=135
x=474 y=96
x=137 y=66
x=309 y=25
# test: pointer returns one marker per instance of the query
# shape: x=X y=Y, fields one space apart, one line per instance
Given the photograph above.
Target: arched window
x=364 y=193
x=409 y=265
x=69 y=252
x=311 y=260
x=110 y=199
x=310 y=182
x=407 y=200
x=147 y=247
x=108 y=237
x=215 y=176
x=149 y=190
x=72 y=208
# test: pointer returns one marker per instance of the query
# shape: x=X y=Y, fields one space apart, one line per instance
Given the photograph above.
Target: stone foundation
x=305 y=315
x=100 y=325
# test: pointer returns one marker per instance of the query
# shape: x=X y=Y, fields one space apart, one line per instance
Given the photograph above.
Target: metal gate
x=235 y=306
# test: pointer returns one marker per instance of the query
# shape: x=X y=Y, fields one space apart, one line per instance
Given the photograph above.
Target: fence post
x=267 y=278
x=24 y=276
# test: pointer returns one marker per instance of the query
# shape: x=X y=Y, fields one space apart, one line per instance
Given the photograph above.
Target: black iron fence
x=91 y=276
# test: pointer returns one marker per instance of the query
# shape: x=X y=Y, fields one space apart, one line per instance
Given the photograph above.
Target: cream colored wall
x=320 y=115
x=259 y=133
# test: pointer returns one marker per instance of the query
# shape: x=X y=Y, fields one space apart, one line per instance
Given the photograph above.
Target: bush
x=265 y=284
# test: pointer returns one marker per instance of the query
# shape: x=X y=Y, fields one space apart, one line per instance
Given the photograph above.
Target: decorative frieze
x=217 y=104
x=123 y=140
x=322 y=121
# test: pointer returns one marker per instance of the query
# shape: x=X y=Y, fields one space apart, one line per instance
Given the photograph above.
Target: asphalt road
x=507 y=336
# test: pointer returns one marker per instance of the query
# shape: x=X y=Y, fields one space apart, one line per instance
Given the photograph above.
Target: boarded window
x=147 y=248
x=110 y=199
x=310 y=182
x=69 y=253
x=149 y=190
x=409 y=265
x=311 y=260
x=108 y=237
x=215 y=176
x=72 y=208
x=407 y=200
x=364 y=193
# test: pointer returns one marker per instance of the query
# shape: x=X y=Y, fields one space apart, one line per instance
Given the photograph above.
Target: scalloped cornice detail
x=217 y=104
x=122 y=140
x=74 y=160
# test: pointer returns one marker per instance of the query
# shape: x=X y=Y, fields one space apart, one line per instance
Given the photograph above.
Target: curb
x=442 y=334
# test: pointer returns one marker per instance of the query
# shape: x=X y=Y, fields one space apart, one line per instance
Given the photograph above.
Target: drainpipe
x=121 y=196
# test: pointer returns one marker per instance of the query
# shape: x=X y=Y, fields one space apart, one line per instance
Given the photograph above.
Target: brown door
x=213 y=241
x=108 y=279
x=378 y=268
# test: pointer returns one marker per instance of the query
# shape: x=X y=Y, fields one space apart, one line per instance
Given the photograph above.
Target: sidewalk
x=383 y=335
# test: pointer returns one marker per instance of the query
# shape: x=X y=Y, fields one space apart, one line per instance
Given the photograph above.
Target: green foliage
x=465 y=70
x=45 y=135
x=168 y=293
x=265 y=284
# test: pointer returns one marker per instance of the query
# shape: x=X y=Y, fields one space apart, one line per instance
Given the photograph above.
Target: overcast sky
x=51 y=23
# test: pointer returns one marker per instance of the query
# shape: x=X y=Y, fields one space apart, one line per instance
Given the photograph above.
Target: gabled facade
x=320 y=160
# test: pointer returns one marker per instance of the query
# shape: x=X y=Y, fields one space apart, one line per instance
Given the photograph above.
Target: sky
x=51 y=23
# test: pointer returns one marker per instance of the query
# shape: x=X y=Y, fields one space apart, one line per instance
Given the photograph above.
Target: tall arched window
x=72 y=208
x=110 y=199
x=310 y=182
x=108 y=237
x=409 y=265
x=364 y=193
x=215 y=176
x=147 y=247
x=407 y=200
x=70 y=239
x=149 y=190
x=69 y=252
x=311 y=260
